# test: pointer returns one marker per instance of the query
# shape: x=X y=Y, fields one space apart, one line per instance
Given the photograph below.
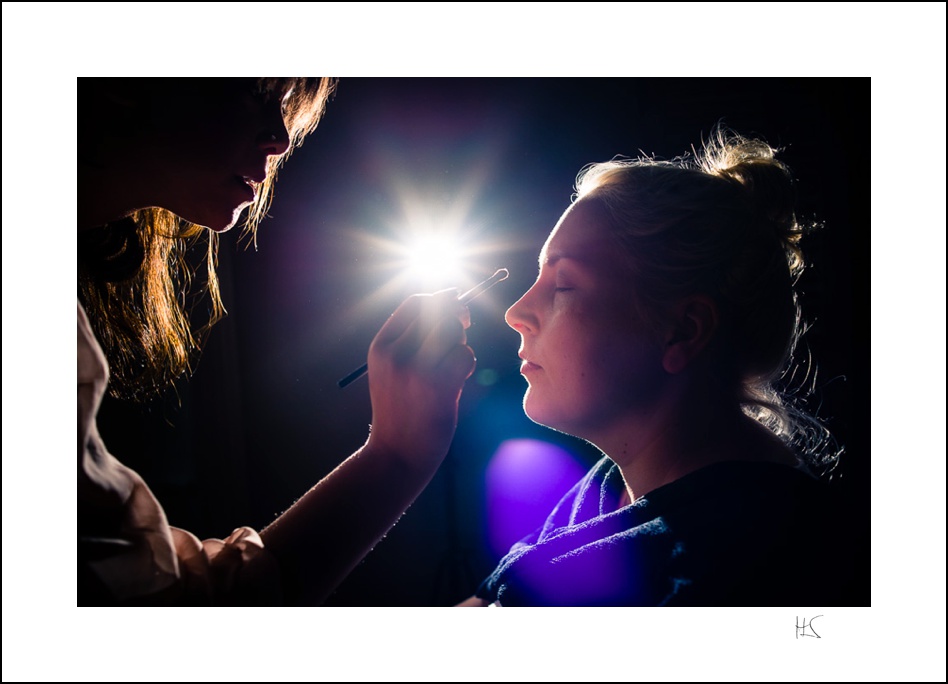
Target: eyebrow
x=548 y=259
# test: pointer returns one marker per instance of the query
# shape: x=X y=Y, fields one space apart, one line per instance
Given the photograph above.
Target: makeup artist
x=164 y=162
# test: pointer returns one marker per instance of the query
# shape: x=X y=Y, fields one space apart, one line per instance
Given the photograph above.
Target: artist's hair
x=134 y=274
x=720 y=222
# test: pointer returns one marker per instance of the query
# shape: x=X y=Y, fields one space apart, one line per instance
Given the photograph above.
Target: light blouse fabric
x=127 y=551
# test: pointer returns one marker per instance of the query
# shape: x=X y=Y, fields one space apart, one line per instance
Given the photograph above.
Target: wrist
x=405 y=455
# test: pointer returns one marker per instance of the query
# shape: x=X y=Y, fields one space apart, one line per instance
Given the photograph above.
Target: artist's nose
x=273 y=139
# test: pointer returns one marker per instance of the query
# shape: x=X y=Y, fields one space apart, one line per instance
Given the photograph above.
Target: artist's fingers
x=440 y=336
x=431 y=335
x=437 y=350
x=407 y=313
x=458 y=364
x=422 y=329
x=398 y=322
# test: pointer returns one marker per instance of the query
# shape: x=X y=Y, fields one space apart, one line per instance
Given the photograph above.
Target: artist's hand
x=418 y=363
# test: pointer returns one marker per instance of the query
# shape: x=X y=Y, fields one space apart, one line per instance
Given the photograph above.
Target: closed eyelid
x=564 y=277
x=550 y=275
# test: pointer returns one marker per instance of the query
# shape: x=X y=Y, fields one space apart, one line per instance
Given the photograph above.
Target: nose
x=521 y=316
x=274 y=139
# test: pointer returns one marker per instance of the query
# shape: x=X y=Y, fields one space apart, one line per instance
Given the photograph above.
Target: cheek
x=635 y=376
x=598 y=365
x=573 y=371
x=612 y=369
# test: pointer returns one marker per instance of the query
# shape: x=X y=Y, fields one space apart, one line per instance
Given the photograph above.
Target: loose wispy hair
x=135 y=277
x=721 y=221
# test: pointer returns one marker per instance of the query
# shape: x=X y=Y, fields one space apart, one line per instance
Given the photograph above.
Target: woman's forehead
x=581 y=233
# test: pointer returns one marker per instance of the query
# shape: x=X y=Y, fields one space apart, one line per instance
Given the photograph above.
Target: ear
x=693 y=326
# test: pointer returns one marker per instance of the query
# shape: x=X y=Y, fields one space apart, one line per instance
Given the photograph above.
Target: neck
x=685 y=431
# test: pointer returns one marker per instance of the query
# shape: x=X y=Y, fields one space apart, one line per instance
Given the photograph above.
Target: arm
x=418 y=363
x=473 y=602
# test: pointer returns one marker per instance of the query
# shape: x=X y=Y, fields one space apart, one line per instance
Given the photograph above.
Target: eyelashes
x=553 y=275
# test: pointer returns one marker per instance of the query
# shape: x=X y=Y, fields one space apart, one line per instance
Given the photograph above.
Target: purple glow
x=526 y=478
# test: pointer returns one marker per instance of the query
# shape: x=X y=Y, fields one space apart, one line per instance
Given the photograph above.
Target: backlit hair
x=134 y=276
x=719 y=222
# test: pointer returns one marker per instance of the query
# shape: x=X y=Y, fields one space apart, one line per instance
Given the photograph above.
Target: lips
x=528 y=366
x=255 y=172
x=248 y=190
x=255 y=177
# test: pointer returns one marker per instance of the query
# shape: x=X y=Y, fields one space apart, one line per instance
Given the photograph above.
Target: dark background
x=262 y=418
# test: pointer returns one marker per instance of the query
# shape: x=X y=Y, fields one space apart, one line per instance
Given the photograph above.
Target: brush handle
x=353 y=376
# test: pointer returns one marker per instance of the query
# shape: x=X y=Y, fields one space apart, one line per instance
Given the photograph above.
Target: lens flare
x=433 y=257
x=434 y=234
x=526 y=478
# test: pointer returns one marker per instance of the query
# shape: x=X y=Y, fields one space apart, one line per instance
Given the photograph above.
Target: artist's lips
x=247 y=186
x=256 y=173
x=528 y=367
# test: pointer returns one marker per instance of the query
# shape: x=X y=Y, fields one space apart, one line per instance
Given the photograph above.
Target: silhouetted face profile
x=208 y=141
x=587 y=360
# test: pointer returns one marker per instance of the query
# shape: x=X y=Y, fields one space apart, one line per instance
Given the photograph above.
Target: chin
x=221 y=229
x=222 y=222
x=541 y=415
x=570 y=421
